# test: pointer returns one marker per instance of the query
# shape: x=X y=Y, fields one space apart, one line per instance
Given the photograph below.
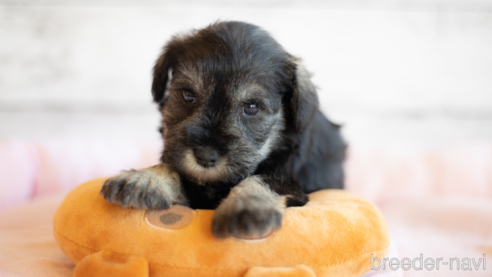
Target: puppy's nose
x=206 y=157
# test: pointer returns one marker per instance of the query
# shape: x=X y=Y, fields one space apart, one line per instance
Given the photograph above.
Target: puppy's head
x=227 y=94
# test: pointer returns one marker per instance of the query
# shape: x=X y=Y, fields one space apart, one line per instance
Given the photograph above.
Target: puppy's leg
x=251 y=210
x=156 y=187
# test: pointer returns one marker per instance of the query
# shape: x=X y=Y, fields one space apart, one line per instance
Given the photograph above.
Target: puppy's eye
x=251 y=109
x=189 y=97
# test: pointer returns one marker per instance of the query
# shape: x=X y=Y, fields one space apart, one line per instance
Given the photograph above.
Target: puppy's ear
x=301 y=102
x=162 y=73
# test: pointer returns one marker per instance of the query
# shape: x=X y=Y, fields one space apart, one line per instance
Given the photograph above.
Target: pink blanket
x=437 y=201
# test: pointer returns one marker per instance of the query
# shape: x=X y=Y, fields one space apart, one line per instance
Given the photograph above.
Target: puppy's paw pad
x=139 y=189
x=251 y=219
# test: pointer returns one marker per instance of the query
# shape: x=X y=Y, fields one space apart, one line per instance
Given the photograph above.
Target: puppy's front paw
x=250 y=217
x=143 y=189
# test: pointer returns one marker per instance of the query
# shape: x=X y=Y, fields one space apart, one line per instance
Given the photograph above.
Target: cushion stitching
x=204 y=268
x=67 y=238
x=150 y=261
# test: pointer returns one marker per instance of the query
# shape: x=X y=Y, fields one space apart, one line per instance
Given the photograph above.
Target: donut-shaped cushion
x=334 y=234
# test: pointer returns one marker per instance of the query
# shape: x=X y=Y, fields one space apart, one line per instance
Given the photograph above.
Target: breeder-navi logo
x=419 y=263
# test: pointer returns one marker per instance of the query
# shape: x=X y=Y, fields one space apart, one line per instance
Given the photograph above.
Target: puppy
x=242 y=133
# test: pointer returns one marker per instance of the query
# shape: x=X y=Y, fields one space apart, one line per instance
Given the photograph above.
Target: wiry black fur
x=309 y=153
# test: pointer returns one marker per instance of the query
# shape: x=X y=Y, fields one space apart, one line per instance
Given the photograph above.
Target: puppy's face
x=219 y=129
x=224 y=92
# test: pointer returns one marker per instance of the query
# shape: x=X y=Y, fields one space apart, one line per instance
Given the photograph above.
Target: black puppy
x=242 y=132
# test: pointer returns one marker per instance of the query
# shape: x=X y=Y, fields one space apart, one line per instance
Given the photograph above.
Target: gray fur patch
x=250 y=211
x=156 y=187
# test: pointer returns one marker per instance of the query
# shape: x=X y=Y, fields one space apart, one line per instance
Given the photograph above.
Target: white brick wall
x=388 y=70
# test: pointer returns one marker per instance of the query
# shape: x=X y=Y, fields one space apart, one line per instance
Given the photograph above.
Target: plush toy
x=334 y=234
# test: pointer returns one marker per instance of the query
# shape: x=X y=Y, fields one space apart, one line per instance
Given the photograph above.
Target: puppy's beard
x=202 y=174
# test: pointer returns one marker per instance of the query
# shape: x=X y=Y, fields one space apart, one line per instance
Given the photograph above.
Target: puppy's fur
x=242 y=132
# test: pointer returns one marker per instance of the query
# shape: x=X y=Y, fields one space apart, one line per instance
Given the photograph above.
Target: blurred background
x=410 y=80
x=389 y=71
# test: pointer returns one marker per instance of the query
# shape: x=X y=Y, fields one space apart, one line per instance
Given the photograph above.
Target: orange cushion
x=334 y=234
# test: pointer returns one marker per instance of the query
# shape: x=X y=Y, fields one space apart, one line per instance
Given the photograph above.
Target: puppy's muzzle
x=206 y=156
